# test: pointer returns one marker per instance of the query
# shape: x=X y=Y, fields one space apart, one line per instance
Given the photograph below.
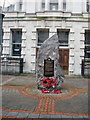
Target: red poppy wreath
x=53 y=82
x=46 y=82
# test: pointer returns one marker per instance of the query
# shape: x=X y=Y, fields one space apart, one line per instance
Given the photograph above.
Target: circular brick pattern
x=46 y=102
x=68 y=91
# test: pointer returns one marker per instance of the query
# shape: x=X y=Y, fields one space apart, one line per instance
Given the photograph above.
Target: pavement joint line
x=33 y=115
x=19 y=111
x=5 y=82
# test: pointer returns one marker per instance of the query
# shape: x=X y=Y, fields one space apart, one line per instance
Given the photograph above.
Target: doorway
x=64 y=59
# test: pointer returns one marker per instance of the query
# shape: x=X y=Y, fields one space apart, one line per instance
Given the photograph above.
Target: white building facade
x=32 y=22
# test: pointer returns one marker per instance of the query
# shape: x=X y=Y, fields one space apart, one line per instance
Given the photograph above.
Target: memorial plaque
x=48 y=67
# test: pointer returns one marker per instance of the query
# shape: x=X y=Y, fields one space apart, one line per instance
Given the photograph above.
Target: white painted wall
x=30 y=6
x=75 y=6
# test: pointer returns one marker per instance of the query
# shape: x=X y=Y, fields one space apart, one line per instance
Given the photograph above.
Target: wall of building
x=77 y=23
x=29 y=6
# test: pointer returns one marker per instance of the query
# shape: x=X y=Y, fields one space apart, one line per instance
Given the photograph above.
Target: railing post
x=82 y=69
x=21 y=65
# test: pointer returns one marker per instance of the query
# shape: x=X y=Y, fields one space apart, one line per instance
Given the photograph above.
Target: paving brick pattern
x=12 y=114
x=12 y=99
x=20 y=101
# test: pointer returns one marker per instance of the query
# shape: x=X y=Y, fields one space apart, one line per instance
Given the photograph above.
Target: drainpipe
x=1 y=36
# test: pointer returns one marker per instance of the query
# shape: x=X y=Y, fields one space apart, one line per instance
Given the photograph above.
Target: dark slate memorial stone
x=47 y=63
x=48 y=68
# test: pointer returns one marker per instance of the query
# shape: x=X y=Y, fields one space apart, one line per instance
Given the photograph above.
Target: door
x=64 y=59
x=37 y=52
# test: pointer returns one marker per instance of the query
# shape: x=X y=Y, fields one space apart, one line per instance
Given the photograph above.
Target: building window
x=2 y=40
x=53 y=4
x=16 y=42
x=63 y=36
x=10 y=8
x=87 y=37
x=20 y=5
x=87 y=44
x=43 y=4
x=64 y=5
x=88 y=5
x=42 y=34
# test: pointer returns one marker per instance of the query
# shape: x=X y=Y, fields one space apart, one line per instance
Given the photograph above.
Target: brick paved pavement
x=21 y=99
x=14 y=114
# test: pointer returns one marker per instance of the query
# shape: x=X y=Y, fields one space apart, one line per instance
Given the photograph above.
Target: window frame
x=88 y=6
x=43 y=5
x=65 y=31
x=87 y=44
x=41 y=30
x=64 y=5
x=20 y=5
x=13 y=43
x=53 y=3
x=87 y=32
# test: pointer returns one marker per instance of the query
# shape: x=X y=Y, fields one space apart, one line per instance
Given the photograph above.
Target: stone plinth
x=49 y=49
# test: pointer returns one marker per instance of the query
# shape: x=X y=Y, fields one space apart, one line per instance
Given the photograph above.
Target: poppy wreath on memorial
x=46 y=82
x=53 y=82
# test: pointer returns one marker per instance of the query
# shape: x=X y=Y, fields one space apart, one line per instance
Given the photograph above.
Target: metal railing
x=85 y=70
x=12 y=65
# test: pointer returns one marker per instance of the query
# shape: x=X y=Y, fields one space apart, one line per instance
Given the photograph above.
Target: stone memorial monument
x=48 y=71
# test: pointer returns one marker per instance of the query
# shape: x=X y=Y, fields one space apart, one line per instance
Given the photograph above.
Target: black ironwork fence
x=85 y=68
x=12 y=65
